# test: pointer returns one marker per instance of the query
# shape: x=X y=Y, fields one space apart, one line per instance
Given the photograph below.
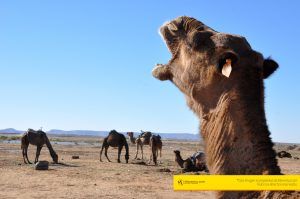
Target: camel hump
x=34 y=131
x=146 y=134
x=112 y=132
x=200 y=155
x=155 y=137
x=31 y=130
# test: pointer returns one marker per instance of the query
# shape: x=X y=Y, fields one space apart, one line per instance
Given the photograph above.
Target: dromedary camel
x=196 y=162
x=143 y=139
x=155 y=146
x=222 y=77
x=37 y=138
x=115 y=139
x=131 y=137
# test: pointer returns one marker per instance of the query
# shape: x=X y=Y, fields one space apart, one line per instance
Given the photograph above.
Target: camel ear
x=269 y=67
x=162 y=72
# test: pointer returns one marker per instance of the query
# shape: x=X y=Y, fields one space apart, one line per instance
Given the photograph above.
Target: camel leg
x=26 y=155
x=142 y=151
x=101 y=152
x=23 y=153
x=160 y=153
x=137 y=150
x=105 y=153
x=151 y=155
x=38 y=152
x=150 y=159
x=119 y=153
x=154 y=151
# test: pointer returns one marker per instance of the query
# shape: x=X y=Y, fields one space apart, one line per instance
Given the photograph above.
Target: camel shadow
x=64 y=164
x=143 y=163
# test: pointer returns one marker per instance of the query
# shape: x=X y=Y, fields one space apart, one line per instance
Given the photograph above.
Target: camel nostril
x=172 y=27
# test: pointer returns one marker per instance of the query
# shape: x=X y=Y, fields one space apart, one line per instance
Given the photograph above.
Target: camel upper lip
x=168 y=37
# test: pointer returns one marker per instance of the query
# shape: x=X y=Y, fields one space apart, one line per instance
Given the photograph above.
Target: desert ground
x=87 y=177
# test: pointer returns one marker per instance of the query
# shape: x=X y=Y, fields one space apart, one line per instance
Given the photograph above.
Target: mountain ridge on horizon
x=177 y=136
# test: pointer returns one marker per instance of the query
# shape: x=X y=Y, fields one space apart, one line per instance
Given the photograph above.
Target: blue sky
x=87 y=64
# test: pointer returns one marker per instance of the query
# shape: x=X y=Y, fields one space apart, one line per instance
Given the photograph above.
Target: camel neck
x=132 y=140
x=50 y=148
x=179 y=160
x=237 y=138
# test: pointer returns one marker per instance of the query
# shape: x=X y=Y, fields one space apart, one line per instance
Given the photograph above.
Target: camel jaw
x=161 y=72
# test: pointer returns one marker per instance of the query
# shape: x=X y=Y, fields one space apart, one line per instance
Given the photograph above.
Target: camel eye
x=199 y=39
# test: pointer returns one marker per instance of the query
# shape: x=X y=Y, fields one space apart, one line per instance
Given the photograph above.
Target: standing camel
x=143 y=139
x=155 y=146
x=131 y=138
x=115 y=139
x=222 y=78
x=37 y=138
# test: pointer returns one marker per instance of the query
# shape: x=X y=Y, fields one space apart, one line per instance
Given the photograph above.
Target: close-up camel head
x=206 y=63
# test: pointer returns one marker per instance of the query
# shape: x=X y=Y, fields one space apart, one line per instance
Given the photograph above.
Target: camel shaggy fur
x=222 y=78
x=115 y=139
x=37 y=138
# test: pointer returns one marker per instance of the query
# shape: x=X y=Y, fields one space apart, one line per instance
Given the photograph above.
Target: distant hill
x=11 y=131
x=176 y=136
x=78 y=132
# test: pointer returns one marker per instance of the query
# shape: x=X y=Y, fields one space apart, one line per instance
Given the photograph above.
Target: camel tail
x=51 y=150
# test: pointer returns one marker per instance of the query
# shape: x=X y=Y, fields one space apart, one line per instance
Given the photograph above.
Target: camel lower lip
x=161 y=72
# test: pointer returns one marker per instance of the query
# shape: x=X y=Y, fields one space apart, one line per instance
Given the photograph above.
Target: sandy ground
x=87 y=177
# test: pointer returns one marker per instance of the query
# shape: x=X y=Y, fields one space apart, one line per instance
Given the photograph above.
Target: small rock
x=284 y=154
x=75 y=157
x=42 y=165
x=296 y=158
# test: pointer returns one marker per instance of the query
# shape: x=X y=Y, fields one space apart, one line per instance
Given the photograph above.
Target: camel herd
x=115 y=139
x=222 y=79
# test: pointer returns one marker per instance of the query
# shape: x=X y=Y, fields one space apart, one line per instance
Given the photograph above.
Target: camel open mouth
x=169 y=33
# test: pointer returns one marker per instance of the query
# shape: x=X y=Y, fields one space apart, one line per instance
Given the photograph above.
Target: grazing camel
x=115 y=139
x=222 y=79
x=143 y=139
x=155 y=146
x=131 y=138
x=37 y=138
x=194 y=163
